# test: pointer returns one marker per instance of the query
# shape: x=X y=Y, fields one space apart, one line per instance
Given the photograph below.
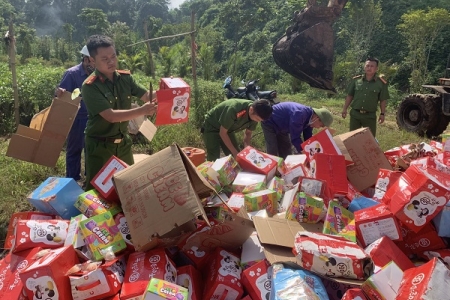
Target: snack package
x=102 y=181
x=384 y=250
x=158 y=289
x=265 y=199
x=306 y=209
x=256 y=280
x=102 y=236
x=252 y=160
x=40 y=233
x=227 y=168
x=91 y=203
x=244 y=179
x=74 y=235
x=336 y=221
x=122 y=225
x=190 y=278
x=211 y=175
x=386 y=178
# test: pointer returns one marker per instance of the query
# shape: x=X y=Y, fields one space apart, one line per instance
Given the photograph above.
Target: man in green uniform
x=107 y=94
x=228 y=117
x=363 y=95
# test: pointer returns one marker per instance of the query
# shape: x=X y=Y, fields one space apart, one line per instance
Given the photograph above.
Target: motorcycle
x=250 y=91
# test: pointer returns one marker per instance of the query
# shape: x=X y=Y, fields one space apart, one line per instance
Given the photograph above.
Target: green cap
x=324 y=115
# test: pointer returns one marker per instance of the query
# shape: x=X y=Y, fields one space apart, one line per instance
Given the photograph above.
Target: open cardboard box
x=160 y=198
x=42 y=142
x=277 y=237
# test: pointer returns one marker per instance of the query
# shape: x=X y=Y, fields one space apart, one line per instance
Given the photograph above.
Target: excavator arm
x=306 y=50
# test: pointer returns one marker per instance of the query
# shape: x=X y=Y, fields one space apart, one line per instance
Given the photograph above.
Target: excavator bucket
x=306 y=50
x=308 y=55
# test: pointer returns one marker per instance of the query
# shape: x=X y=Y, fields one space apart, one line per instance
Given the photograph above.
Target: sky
x=175 y=3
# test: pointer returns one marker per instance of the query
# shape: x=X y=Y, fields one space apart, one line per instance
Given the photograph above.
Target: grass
x=18 y=178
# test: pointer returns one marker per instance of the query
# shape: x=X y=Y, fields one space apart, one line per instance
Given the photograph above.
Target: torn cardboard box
x=159 y=195
x=42 y=142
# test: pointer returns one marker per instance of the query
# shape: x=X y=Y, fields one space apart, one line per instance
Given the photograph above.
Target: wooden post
x=150 y=57
x=12 y=63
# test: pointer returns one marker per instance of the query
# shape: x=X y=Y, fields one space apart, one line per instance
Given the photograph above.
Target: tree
x=95 y=20
x=420 y=29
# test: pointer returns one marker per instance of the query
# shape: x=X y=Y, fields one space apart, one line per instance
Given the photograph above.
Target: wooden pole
x=12 y=63
x=150 y=57
x=194 y=71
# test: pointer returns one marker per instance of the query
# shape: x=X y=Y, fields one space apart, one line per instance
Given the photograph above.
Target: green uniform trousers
x=99 y=152
x=213 y=143
x=358 y=120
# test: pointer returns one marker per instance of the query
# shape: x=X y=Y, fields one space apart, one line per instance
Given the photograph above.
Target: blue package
x=289 y=283
x=442 y=220
x=360 y=203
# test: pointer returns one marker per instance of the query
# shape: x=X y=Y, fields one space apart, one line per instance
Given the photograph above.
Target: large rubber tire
x=441 y=119
x=418 y=113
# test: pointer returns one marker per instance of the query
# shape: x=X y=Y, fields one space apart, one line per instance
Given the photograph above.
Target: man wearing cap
x=289 y=121
x=228 y=117
x=363 y=95
x=72 y=79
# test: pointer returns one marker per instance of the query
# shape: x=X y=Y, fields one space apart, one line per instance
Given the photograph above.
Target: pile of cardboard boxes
x=341 y=221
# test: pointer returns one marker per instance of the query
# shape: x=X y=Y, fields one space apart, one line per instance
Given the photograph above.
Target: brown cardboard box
x=42 y=142
x=277 y=237
x=160 y=195
x=361 y=147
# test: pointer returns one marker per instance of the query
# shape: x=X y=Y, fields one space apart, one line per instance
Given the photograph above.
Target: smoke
x=48 y=21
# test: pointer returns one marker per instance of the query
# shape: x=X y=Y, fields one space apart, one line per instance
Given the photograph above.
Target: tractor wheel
x=417 y=113
x=441 y=119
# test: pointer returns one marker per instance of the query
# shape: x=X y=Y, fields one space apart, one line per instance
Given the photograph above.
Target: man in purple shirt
x=73 y=78
x=288 y=122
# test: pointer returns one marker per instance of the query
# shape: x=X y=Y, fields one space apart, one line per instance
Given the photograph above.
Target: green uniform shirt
x=99 y=94
x=232 y=114
x=367 y=94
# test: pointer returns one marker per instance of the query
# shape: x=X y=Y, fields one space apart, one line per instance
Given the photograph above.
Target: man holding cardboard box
x=107 y=94
x=228 y=117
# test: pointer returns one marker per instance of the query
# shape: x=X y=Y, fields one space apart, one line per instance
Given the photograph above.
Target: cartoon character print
x=381 y=188
x=257 y=159
x=43 y=288
x=179 y=107
x=48 y=233
x=422 y=205
x=312 y=168
x=124 y=230
x=229 y=265
x=170 y=272
x=313 y=148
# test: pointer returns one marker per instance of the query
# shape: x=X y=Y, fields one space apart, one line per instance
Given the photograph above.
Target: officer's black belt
x=362 y=111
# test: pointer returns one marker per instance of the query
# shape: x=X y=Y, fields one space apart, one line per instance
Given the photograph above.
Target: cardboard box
x=143 y=125
x=10 y=267
x=386 y=178
x=173 y=99
x=191 y=279
x=252 y=160
x=74 y=236
x=228 y=169
x=306 y=209
x=158 y=289
x=375 y=222
x=383 y=251
x=256 y=280
x=265 y=199
x=321 y=142
x=361 y=147
x=337 y=220
x=102 y=181
x=385 y=283
x=42 y=142
x=170 y=178
x=354 y=294
x=236 y=201
x=416 y=243
x=277 y=237
x=46 y=277
x=244 y=179
x=91 y=203
x=211 y=175
x=288 y=198
x=25 y=215
x=330 y=168
x=56 y=196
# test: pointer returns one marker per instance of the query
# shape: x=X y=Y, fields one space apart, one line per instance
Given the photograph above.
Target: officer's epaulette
x=128 y=72
x=382 y=79
x=90 y=79
x=357 y=76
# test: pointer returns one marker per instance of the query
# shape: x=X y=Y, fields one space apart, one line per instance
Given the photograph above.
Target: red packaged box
x=415 y=243
x=101 y=283
x=141 y=267
x=331 y=256
x=354 y=294
x=190 y=278
x=256 y=281
x=332 y=169
x=11 y=265
x=40 y=233
x=386 y=178
x=428 y=281
x=252 y=160
x=223 y=276
x=321 y=142
x=374 y=222
x=418 y=196
x=26 y=215
x=122 y=226
x=384 y=250
x=173 y=99
x=46 y=278
x=103 y=180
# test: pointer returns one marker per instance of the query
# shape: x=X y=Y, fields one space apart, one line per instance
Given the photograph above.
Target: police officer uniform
x=366 y=96
x=233 y=115
x=104 y=139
